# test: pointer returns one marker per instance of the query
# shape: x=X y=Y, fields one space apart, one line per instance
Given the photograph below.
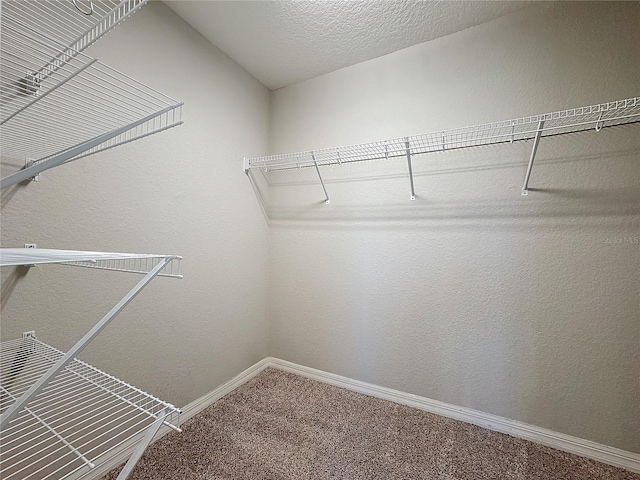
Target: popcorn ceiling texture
x=281 y=43
x=282 y=426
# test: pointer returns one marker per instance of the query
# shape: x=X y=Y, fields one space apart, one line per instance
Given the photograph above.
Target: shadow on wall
x=9 y=284
x=582 y=207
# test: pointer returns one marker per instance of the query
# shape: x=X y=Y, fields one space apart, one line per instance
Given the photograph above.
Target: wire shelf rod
x=52 y=408
x=56 y=434
x=134 y=427
x=151 y=432
x=568 y=121
x=71 y=100
x=51 y=90
x=99 y=417
x=69 y=422
x=126 y=400
x=123 y=142
x=51 y=162
x=115 y=421
x=74 y=32
x=6 y=417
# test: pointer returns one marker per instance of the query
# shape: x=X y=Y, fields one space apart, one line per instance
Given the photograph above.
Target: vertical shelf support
x=43 y=381
x=327 y=200
x=142 y=446
x=413 y=192
x=536 y=141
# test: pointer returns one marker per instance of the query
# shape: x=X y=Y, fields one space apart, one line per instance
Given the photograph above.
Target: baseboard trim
x=107 y=464
x=584 y=448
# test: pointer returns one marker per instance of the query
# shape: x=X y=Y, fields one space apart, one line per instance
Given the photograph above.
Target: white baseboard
x=584 y=448
x=105 y=465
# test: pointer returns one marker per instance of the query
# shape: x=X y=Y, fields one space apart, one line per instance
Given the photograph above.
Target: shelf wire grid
x=133 y=265
x=79 y=417
x=121 y=262
x=44 y=116
x=573 y=120
x=75 y=24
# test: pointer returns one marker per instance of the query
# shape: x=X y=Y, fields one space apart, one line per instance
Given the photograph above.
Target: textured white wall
x=472 y=294
x=179 y=191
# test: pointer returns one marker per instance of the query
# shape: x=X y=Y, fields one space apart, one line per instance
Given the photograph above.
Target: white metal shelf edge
x=64 y=430
x=122 y=262
x=58 y=104
x=534 y=127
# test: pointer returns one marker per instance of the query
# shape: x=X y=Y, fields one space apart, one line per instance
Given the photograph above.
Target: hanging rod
x=562 y=122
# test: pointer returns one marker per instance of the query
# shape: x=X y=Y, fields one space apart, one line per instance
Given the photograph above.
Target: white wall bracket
x=29 y=162
x=534 y=149
x=413 y=192
x=67 y=155
x=326 y=195
x=142 y=446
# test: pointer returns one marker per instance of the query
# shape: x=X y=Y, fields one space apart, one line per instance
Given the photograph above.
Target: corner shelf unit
x=59 y=414
x=58 y=104
x=593 y=117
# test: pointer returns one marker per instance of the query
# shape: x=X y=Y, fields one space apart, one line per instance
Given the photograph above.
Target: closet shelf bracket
x=534 y=149
x=413 y=192
x=326 y=195
x=98 y=143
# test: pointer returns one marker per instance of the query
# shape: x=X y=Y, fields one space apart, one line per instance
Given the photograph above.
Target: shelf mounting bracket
x=66 y=155
x=406 y=144
x=142 y=446
x=37 y=387
x=536 y=141
x=327 y=200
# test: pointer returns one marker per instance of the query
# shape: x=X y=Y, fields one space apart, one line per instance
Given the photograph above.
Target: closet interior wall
x=523 y=307
x=177 y=192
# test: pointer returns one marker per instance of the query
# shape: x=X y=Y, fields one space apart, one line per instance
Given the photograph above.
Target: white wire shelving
x=592 y=117
x=121 y=262
x=58 y=414
x=58 y=104
x=80 y=416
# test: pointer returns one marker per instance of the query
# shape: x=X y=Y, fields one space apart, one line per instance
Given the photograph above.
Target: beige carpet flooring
x=282 y=426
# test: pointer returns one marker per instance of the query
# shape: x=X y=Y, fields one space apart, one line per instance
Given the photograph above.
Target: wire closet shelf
x=58 y=415
x=81 y=415
x=58 y=104
x=573 y=120
x=141 y=263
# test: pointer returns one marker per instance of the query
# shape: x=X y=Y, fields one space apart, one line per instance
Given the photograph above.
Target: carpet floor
x=283 y=426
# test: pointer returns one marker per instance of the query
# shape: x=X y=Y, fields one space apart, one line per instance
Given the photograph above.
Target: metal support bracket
x=142 y=446
x=65 y=156
x=413 y=192
x=29 y=162
x=43 y=381
x=327 y=200
x=525 y=185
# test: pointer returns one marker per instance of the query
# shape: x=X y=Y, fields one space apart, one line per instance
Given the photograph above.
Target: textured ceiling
x=285 y=42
